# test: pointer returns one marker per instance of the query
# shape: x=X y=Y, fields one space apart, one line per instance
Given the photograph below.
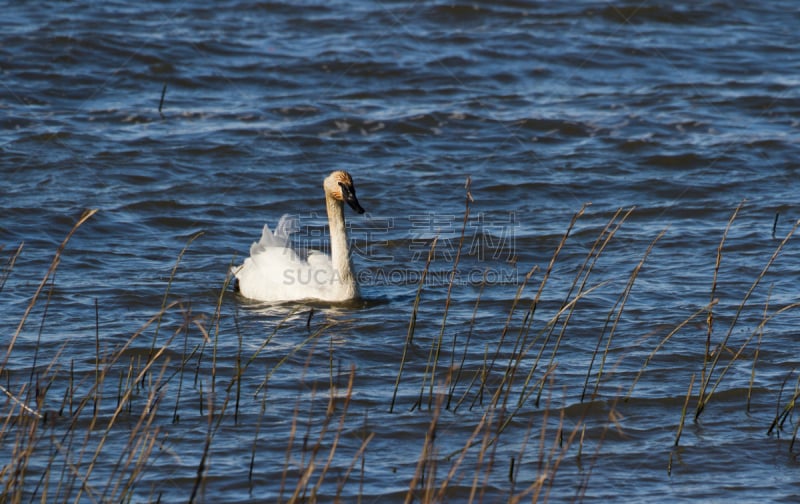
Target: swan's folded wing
x=286 y=226
x=280 y=238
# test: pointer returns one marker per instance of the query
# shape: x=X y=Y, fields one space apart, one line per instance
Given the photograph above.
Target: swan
x=276 y=272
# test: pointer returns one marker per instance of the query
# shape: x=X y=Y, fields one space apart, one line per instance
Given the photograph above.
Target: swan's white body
x=276 y=272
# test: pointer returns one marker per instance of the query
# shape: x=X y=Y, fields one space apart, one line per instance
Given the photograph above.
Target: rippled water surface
x=188 y=126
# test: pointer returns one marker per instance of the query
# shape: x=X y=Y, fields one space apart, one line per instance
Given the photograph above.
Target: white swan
x=276 y=272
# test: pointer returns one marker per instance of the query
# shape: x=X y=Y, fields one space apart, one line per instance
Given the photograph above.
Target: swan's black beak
x=349 y=196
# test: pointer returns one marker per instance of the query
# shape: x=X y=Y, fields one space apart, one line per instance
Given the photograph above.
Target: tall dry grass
x=100 y=434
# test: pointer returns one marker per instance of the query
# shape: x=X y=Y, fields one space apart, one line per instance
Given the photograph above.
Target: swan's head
x=339 y=186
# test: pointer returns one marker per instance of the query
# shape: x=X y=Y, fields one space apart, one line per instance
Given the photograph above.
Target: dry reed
x=66 y=418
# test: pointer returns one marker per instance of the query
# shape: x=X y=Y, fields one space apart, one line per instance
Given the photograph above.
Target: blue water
x=681 y=112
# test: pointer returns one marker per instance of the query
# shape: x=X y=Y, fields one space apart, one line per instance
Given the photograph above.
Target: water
x=682 y=112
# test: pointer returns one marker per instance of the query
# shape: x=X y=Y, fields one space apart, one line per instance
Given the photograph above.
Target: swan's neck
x=340 y=252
